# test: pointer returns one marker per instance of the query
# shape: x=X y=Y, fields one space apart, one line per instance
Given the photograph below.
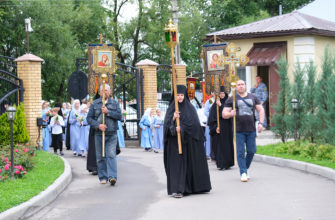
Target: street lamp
x=11 y=117
x=28 y=29
x=294 y=103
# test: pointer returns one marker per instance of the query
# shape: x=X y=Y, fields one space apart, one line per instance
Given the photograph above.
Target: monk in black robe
x=221 y=139
x=187 y=172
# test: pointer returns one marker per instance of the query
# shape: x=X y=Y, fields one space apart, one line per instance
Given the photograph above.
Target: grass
x=270 y=150
x=48 y=167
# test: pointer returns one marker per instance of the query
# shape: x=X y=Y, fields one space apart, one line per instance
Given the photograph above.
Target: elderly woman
x=146 y=134
x=74 y=121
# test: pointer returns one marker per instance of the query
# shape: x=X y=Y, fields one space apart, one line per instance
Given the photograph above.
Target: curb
x=32 y=206
x=298 y=165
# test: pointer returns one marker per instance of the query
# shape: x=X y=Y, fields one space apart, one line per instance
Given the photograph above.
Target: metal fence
x=11 y=87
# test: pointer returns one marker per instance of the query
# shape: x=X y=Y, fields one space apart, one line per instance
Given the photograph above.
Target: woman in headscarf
x=45 y=130
x=222 y=148
x=158 y=123
x=146 y=133
x=75 y=127
x=84 y=130
x=187 y=172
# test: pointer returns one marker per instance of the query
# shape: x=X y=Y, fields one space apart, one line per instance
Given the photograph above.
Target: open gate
x=11 y=87
x=128 y=89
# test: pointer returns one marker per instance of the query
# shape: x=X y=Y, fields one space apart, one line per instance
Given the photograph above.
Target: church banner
x=214 y=68
x=101 y=59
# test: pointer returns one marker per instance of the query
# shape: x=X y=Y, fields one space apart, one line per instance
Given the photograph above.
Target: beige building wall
x=320 y=42
x=320 y=45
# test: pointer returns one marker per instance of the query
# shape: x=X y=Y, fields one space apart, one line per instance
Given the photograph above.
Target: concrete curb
x=36 y=203
x=298 y=165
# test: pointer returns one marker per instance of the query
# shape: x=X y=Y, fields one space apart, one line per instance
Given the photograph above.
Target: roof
x=265 y=54
x=287 y=24
x=29 y=57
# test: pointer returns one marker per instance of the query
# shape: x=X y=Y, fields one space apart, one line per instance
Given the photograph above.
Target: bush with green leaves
x=20 y=133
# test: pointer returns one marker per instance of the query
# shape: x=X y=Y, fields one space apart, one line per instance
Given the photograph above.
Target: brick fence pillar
x=149 y=83
x=181 y=74
x=29 y=70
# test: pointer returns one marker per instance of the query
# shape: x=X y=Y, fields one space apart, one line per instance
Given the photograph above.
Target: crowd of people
x=203 y=137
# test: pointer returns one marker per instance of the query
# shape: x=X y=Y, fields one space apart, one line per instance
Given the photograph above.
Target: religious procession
x=201 y=116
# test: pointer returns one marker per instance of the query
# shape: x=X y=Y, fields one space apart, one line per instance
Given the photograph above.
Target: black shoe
x=112 y=181
x=61 y=153
x=94 y=173
x=79 y=155
x=74 y=153
x=83 y=155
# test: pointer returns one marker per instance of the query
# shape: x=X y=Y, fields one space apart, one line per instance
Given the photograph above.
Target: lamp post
x=294 y=103
x=28 y=29
x=11 y=116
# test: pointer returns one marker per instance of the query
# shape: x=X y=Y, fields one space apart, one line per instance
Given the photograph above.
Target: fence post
x=29 y=70
x=149 y=83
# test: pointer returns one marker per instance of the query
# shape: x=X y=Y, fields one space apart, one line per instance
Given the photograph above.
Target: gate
x=11 y=87
x=128 y=89
x=163 y=86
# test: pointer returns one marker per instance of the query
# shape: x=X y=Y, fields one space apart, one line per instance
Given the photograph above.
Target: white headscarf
x=147 y=113
x=74 y=105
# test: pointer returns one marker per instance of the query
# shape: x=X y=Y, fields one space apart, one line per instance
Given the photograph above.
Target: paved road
x=274 y=193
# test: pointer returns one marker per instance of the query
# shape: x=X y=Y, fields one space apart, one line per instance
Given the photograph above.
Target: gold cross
x=233 y=60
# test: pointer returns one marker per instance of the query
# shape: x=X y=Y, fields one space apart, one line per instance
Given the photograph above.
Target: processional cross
x=232 y=60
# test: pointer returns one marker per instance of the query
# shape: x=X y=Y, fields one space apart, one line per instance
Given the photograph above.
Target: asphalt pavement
x=273 y=192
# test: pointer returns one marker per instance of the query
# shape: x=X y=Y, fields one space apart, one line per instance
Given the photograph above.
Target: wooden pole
x=103 y=77
x=174 y=83
x=233 y=85
x=217 y=112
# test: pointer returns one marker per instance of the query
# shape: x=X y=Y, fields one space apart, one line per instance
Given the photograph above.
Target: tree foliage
x=298 y=90
x=310 y=104
x=282 y=118
x=63 y=28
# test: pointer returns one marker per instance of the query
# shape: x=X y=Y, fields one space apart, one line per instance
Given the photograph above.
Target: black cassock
x=187 y=172
x=91 y=164
x=221 y=144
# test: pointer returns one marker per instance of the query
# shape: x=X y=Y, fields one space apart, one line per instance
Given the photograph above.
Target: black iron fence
x=11 y=87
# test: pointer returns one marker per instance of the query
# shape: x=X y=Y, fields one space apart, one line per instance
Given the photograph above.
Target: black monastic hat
x=181 y=89
x=222 y=89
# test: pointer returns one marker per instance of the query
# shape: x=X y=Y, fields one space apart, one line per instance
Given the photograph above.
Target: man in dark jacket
x=107 y=167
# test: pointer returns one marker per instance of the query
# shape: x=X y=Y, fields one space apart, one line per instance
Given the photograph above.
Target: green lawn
x=48 y=167
x=270 y=150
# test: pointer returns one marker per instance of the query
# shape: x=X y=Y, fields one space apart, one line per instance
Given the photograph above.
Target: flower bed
x=23 y=161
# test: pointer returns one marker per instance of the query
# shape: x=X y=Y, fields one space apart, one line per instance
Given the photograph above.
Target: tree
x=281 y=117
x=298 y=90
x=324 y=94
x=310 y=104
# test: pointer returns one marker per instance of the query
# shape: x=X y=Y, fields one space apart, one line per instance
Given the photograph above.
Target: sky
x=323 y=9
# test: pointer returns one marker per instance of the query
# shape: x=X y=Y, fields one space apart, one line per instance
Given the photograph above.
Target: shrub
x=325 y=152
x=20 y=133
x=309 y=150
x=23 y=161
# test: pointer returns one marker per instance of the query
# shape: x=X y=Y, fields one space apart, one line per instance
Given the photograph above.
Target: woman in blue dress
x=75 y=127
x=84 y=131
x=45 y=129
x=145 y=125
x=158 y=123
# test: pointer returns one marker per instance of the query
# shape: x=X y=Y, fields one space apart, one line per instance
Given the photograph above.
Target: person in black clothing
x=187 y=172
x=221 y=139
